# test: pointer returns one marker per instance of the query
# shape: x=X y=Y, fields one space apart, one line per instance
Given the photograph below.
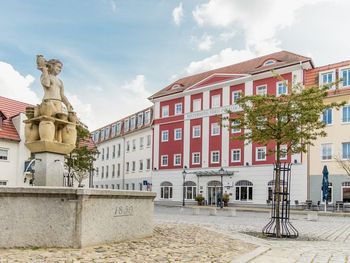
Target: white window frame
x=148 y=115
x=163 y=139
x=8 y=155
x=341 y=192
x=141 y=143
x=193 y=158
x=323 y=114
x=235 y=130
x=165 y=109
x=139 y=119
x=149 y=141
x=133 y=144
x=126 y=125
x=240 y=155
x=342 y=155
x=162 y=158
x=148 y=164
x=176 y=132
x=176 y=109
x=234 y=100
x=331 y=148
x=277 y=86
x=341 y=76
x=132 y=122
x=342 y=114
x=258 y=92
x=141 y=165
x=256 y=153
x=215 y=125
x=175 y=158
x=283 y=148
x=212 y=155
x=194 y=129
x=197 y=105
x=320 y=77
x=216 y=98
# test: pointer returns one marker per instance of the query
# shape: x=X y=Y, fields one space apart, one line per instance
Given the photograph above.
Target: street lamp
x=183 y=185
x=221 y=172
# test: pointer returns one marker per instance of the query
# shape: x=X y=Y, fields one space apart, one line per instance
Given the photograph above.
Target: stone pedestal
x=49 y=168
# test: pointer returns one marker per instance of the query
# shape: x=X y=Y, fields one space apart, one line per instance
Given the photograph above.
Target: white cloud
x=83 y=110
x=137 y=86
x=226 y=36
x=15 y=86
x=114 y=6
x=178 y=14
x=205 y=43
x=226 y=57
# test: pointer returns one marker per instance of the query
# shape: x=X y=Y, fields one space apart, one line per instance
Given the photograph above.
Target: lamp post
x=221 y=172
x=183 y=185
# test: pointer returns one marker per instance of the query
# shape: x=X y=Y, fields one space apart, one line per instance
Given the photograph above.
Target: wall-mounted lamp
x=295 y=161
x=155 y=169
x=247 y=164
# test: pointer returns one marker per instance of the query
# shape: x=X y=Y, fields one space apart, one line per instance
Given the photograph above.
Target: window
x=148 y=164
x=177 y=134
x=215 y=157
x=127 y=167
x=113 y=130
x=119 y=149
x=107 y=170
x=165 y=111
x=133 y=166
x=102 y=171
x=244 y=190
x=346 y=150
x=102 y=134
x=235 y=155
x=3 y=183
x=118 y=128
x=147 y=117
x=326 y=78
x=113 y=153
x=178 y=108
x=196 y=158
x=103 y=154
x=141 y=165
x=148 y=140
x=196 y=131
x=165 y=136
x=215 y=101
x=96 y=171
x=190 y=190
x=134 y=144
x=346 y=114
x=283 y=152
x=234 y=127
x=132 y=122
x=326 y=153
x=4 y=154
x=164 y=160
x=107 y=153
x=106 y=186
x=327 y=116
x=140 y=186
x=261 y=90
x=177 y=159
x=166 y=190
x=112 y=186
x=107 y=133
x=330 y=193
x=215 y=129
x=118 y=186
x=345 y=186
x=139 y=119
x=271 y=188
x=133 y=186
x=128 y=146
x=281 y=87
x=113 y=170
x=236 y=95
x=118 y=169
x=127 y=186
x=345 y=74
x=126 y=125
x=197 y=105
x=269 y=62
x=102 y=186
x=260 y=153
x=141 y=142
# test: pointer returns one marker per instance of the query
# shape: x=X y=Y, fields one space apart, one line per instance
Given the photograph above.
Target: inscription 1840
x=124 y=210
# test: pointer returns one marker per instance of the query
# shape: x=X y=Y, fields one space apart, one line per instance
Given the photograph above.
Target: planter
x=47 y=131
x=31 y=132
x=69 y=134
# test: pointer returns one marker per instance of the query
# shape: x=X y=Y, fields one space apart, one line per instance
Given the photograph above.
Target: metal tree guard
x=281 y=203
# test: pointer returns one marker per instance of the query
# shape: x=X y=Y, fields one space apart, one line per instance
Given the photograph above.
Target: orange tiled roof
x=252 y=66
x=10 y=108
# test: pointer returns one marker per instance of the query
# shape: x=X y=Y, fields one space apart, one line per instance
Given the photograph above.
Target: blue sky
x=116 y=53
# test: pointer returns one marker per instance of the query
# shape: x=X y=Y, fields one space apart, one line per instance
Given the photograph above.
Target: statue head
x=54 y=66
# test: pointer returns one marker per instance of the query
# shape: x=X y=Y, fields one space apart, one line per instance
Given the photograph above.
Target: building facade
x=125 y=148
x=336 y=145
x=13 y=152
x=187 y=135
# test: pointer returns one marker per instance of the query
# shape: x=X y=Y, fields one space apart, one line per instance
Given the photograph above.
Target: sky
x=117 y=53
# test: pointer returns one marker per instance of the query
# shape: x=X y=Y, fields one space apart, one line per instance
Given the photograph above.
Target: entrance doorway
x=214 y=188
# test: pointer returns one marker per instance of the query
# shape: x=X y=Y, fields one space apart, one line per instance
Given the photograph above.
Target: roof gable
x=213 y=79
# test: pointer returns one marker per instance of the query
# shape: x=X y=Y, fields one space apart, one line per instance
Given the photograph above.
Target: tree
x=79 y=161
x=291 y=121
x=343 y=163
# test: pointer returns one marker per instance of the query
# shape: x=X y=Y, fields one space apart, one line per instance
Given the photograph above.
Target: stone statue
x=51 y=126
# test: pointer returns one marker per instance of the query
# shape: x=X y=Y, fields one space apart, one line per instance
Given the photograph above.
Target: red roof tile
x=10 y=108
x=253 y=66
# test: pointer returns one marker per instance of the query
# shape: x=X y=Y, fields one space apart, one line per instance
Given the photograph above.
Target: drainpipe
x=123 y=184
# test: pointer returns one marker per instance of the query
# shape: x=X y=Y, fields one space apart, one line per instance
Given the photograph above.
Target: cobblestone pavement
x=329 y=236
x=170 y=243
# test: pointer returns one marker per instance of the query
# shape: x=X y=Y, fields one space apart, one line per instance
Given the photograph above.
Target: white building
x=13 y=152
x=125 y=148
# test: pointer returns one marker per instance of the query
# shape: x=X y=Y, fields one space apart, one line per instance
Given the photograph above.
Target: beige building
x=336 y=145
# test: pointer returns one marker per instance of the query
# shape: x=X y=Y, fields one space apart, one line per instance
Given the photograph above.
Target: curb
x=252 y=255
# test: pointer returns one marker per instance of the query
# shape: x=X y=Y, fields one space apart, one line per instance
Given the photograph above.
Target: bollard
x=312 y=216
x=212 y=211
x=232 y=212
x=195 y=210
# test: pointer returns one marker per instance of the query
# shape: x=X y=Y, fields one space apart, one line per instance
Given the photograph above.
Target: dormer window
x=176 y=86
x=2 y=118
x=269 y=62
